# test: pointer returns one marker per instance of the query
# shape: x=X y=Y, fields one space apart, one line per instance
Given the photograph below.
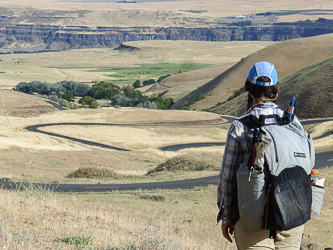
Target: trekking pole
x=291 y=108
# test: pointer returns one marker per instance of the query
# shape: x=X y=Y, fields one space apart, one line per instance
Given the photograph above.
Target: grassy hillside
x=223 y=54
x=312 y=87
x=288 y=57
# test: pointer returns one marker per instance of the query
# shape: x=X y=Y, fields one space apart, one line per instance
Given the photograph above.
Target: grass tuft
x=153 y=197
x=6 y=179
x=36 y=190
x=80 y=238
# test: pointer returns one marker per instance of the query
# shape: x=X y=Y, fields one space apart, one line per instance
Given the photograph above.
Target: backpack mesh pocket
x=289 y=201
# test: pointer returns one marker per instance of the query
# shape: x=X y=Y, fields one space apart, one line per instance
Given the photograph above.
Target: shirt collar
x=262 y=106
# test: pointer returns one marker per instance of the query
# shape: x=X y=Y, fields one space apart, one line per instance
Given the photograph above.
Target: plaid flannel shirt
x=237 y=145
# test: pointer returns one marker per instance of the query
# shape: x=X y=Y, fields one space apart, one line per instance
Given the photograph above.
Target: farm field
x=57 y=66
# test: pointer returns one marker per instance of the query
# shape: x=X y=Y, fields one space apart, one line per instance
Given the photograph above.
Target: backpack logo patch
x=302 y=155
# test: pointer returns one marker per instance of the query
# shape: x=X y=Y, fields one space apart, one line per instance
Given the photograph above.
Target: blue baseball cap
x=263 y=69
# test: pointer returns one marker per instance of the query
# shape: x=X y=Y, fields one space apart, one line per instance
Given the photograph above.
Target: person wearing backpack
x=262 y=86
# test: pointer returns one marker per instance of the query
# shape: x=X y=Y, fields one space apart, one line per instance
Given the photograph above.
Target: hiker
x=262 y=86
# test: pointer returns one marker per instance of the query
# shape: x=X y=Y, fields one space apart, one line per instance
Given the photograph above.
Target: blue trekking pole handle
x=291 y=108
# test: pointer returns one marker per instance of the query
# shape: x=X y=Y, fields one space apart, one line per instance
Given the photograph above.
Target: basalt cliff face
x=32 y=38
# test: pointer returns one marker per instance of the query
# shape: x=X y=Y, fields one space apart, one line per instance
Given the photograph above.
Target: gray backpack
x=273 y=183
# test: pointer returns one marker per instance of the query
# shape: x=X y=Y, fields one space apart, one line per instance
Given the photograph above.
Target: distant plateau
x=20 y=38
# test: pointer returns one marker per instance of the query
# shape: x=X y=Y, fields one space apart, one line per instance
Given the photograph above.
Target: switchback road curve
x=322 y=160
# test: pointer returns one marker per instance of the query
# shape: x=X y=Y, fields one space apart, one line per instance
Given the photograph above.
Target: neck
x=262 y=100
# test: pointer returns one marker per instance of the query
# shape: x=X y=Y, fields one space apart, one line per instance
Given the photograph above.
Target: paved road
x=323 y=159
x=56 y=105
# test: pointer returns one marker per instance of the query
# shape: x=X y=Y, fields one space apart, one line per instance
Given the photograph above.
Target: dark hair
x=258 y=92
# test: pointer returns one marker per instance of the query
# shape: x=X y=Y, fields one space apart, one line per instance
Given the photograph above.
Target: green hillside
x=312 y=86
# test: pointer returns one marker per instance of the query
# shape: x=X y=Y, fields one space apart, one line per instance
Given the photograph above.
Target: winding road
x=322 y=159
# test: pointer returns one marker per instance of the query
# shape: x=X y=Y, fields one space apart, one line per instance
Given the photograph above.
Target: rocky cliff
x=32 y=38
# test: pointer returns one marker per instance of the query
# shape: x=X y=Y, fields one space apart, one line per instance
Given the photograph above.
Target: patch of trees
x=162 y=77
x=68 y=96
x=104 y=90
x=67 y=91
x=88 y=101
x=137 y=83
x=59 y=89
x=134 y=98
x=242 y=23
x=162 y=103
x=324 y=20
x=264 y=14
x=148 y=82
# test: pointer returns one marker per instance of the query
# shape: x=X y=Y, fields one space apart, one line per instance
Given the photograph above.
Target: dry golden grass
x=321 y=129
x=326 y=142
x=41 y=223
x=141 y=138
x=39 y=220
x=38 y=157
x=33 y=220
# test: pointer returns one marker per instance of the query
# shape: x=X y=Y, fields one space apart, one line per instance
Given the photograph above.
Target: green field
x=287 y=12
x=148 y=71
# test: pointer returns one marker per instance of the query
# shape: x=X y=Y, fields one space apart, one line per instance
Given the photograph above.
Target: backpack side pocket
x=317 y=200
x=251 y=196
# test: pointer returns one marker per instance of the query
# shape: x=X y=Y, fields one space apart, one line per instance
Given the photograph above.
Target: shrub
x=185 y=106
x=137 y=84
x=200 y=97
x=87 y=101
x=148 y=82
x=162 y=103
x=68 y=96
x=184 y=163
x=132 y=93
x=124 y=101
x=162 y=77
x=147 y=105
x=93 y=173
x=104 y=90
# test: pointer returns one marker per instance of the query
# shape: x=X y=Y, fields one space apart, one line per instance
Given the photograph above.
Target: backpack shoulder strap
x=253 y=122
